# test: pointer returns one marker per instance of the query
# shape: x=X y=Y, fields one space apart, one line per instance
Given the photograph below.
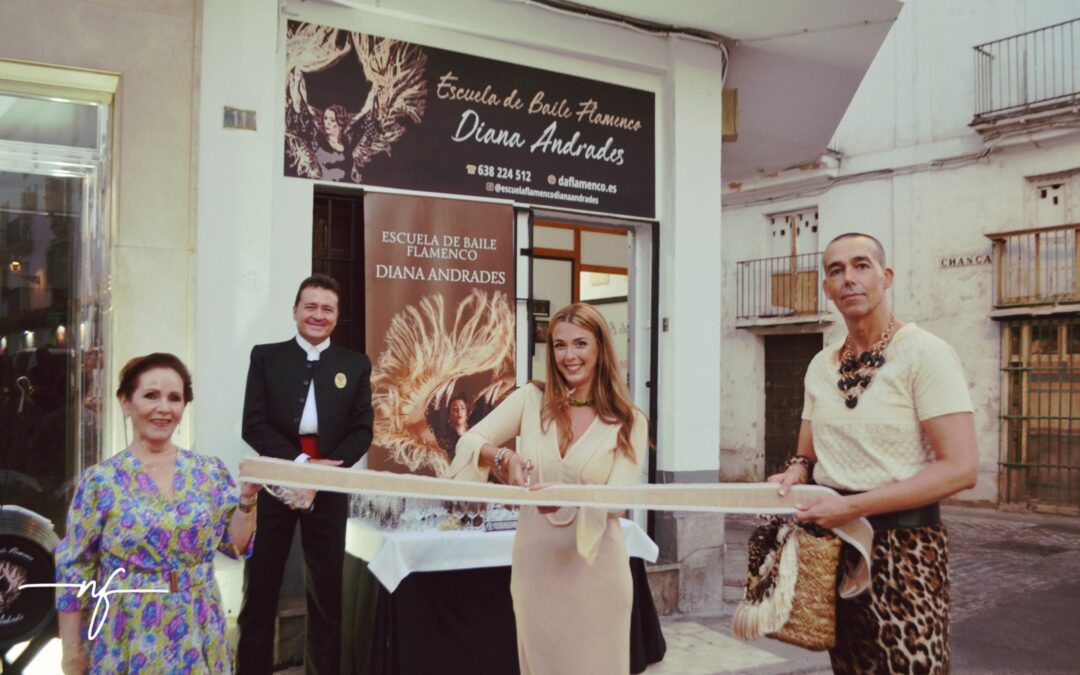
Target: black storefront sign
x=380 y=112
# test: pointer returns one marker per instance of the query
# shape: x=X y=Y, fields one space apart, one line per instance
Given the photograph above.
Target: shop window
x=48 y=122
x=53 y=294
x=575 y=263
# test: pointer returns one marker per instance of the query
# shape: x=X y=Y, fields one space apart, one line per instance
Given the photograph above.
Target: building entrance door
x=607 y=264
x=786 y=360
x=1040 y=416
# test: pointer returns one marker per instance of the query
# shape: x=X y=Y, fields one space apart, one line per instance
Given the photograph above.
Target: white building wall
x=687 y=449
x=912 y=108
x=742 y=357
x=919 y=89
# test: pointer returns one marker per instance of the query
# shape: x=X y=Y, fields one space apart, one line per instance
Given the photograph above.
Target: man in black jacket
x=307 y=401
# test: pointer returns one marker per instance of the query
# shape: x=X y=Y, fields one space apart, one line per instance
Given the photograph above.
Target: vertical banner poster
x=440 y=325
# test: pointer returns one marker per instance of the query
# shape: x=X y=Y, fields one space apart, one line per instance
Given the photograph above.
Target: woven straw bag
x=790 y=586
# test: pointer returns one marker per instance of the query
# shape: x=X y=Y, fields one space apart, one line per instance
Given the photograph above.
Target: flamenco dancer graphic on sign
x=422 y=380
x=440 y=325
x=334 y=135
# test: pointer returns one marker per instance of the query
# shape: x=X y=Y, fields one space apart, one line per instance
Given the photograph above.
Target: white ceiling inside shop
x=796 y=64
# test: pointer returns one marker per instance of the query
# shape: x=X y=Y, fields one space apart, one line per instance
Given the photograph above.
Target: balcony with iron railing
x=1033 y=72
x=1037 y=267
x=781 y=290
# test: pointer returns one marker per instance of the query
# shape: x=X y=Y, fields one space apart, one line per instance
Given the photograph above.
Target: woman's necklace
x=579 y=402
x=856 y=374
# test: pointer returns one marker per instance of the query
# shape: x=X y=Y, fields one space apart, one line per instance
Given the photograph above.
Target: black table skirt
x=459 y=621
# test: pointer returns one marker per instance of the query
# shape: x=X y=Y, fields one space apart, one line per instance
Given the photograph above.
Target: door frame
x=91 y=272
x=643 y=268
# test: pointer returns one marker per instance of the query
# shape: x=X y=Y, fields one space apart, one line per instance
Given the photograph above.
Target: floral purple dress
x=119 y=520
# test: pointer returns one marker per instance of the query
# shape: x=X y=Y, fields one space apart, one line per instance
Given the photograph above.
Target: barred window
x=1040 y=449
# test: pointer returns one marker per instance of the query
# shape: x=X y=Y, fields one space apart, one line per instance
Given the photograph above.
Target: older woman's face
x=157 y=405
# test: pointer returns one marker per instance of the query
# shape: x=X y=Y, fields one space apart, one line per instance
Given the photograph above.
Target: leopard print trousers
x=901 y=625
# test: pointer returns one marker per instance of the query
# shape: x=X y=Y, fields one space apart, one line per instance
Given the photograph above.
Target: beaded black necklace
x=856 y=374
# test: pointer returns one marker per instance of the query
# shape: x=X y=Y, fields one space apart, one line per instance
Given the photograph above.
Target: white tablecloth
x=392 y=556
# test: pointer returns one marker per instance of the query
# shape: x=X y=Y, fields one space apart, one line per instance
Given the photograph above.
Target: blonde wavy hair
x=610 y=394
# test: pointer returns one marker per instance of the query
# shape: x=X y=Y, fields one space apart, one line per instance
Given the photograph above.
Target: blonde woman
x=570 y=578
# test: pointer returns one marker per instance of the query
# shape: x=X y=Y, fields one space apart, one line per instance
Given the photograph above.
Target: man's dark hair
x=879 y=249
x=318 y=281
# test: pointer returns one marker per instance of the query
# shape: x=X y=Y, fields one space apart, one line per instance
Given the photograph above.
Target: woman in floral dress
x=151 y=519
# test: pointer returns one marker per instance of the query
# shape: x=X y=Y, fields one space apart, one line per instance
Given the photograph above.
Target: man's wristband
x=801 y=460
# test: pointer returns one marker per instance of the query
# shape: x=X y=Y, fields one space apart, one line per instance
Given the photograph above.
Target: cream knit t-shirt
x=880 y=441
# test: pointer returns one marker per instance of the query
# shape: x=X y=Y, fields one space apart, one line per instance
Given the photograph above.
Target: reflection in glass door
x=553 y=283
x=577 y=263
x=52 y=292
x=610 y=266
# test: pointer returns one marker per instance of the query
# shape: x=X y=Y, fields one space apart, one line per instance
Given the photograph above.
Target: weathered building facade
x=960 y=153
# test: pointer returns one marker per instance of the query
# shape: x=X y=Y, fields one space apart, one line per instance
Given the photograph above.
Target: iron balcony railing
x=785 y=286
x=1039 y=68
x=1036 y=266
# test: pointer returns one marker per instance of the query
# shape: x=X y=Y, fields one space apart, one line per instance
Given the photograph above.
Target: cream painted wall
x=151 y=45
x=240 y=296
x=254 y=225
x=690 y=246
x=914 y=104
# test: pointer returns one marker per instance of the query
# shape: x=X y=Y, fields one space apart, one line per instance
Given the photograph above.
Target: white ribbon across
x=756 y=498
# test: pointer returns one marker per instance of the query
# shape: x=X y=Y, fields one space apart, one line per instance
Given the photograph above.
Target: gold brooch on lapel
x=339 y=380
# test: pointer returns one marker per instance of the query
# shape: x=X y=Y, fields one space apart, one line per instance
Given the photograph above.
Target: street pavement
x=1015 y=603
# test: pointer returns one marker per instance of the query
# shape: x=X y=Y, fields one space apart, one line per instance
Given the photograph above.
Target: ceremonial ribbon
x=758 y=498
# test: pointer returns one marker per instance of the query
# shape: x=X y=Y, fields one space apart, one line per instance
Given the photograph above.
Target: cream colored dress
x=570 y=579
